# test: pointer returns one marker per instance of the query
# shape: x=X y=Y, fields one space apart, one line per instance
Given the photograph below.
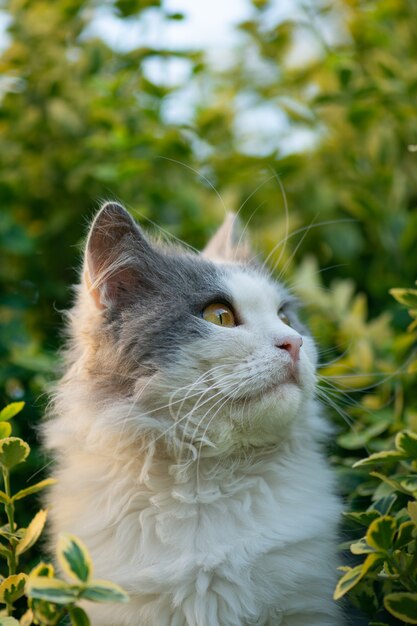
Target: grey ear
x=113 y=248
x=229 y=244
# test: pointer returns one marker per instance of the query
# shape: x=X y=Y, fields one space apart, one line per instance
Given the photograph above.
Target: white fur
x=207 y=513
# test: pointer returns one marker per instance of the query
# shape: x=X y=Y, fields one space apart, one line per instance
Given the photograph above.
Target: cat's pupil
x=219 y=314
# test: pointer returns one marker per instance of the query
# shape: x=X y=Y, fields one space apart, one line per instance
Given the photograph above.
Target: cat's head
x=205 y=350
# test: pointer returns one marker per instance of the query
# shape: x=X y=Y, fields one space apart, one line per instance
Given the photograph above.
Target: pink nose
x=292 y=344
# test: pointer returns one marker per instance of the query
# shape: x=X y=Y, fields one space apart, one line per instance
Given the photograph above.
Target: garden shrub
x=36 y=596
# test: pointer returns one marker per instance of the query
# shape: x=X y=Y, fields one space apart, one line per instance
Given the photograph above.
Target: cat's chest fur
x=241 y=544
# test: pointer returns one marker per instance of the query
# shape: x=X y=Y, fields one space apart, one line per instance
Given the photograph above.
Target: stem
x=413 y=563
x=404 y=576
x=9 y=507
x=10 y=516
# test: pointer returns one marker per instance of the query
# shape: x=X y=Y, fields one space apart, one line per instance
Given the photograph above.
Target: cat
x=187 y=436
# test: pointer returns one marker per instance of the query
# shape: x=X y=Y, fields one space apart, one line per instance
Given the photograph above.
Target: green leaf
x=388 y=480
x=358 y=439
x=104 y=591
x=383 y=505
x=363 y=596
x=45 y=613
x=406 y=533
x=381 y=533
x=10 y=411
x=5 y=430
x=13 y=450
x=403 y=606
x=378 y=458
x=4 y=499
x=51 y=590
x=33 y=488
x=78 y=616
x=74 y=558
x=32 y=533
x=12 y=588
x=406 y=442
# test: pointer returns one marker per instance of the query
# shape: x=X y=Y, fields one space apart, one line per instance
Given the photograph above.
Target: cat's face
x=207 y=346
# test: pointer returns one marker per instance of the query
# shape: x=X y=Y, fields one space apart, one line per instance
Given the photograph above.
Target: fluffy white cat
x=186 y=436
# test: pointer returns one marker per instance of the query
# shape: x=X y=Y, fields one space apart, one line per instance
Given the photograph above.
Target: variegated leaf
x=74 y=558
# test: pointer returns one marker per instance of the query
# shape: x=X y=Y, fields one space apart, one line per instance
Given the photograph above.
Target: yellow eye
x=219 y=314
x=284 y=317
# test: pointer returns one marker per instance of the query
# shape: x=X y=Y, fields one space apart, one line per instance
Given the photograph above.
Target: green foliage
x=82 y=121
x=389 y=546
x=49 y=599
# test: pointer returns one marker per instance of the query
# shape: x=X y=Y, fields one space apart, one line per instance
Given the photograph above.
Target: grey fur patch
x=151 y=295
x=166 y=310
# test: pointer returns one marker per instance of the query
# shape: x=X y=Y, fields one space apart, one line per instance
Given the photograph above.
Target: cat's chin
x=274 y=390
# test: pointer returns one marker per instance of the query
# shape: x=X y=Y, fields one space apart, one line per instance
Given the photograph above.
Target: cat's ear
x=230 y=243
x=114 y=247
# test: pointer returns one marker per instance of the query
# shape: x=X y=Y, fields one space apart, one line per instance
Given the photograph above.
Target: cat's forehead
x=253 y=289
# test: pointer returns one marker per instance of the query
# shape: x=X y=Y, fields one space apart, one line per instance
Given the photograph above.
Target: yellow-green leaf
x=74 y=558
x=12 y=588
x=408 y=297
x=402 y=606
x=104 y=591
x=13 y=450
x=4 y=498
x=34 y=488
x=406 y=442
x=8 y=621
x=371 y=561
x=381 y=533
x=406 y=534
x=51 y=590
x=33 y=532
x=42 y=569
x=10 y=411
x=361 y=547
x=363 y=518
x=409 y=483
x=348 y=580
x=5 y=430
x=378 y=458
x=4 y=551
x=412 y=511
x=27 y=618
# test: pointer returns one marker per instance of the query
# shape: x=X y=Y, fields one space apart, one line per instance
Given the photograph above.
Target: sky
x=208 y=25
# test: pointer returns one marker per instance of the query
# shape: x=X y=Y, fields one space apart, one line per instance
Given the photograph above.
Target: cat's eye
x=284 y=317
x=219 y=314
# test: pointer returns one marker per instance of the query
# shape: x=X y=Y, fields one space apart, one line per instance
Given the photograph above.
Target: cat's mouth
x=273 y=388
